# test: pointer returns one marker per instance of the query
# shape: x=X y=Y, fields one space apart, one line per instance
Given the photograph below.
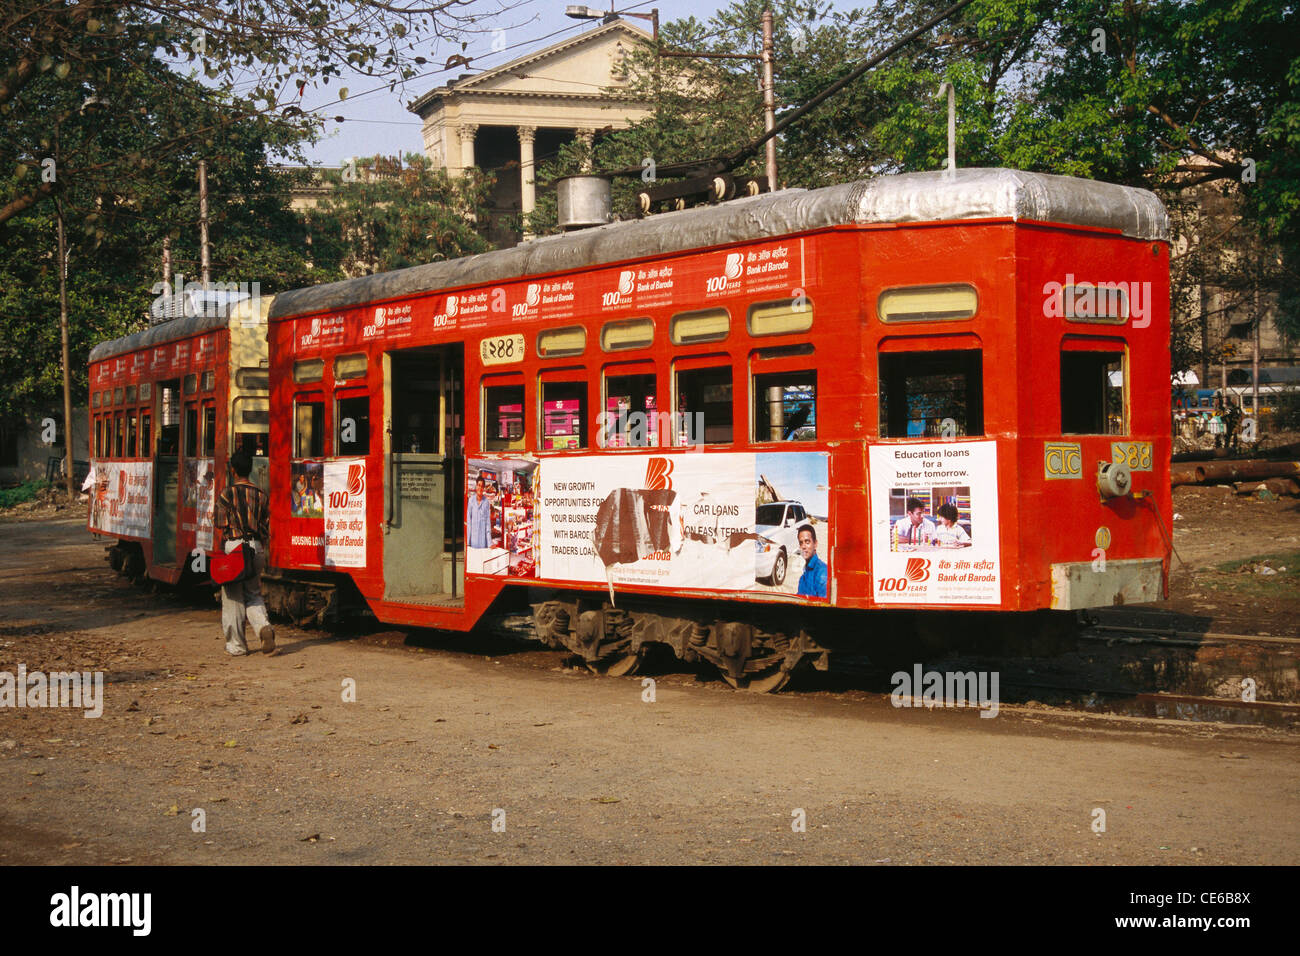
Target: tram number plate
x=501 y=349
x=1135 y=454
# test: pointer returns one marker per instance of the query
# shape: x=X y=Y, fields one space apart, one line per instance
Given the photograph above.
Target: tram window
x=146 y=435
x=254 y=379
x=353 y=436
x=928 y=303
x=564 y=415
x=130 y=435
x=309 y=370
x=191 y=431
x=95 y=399
x=503 y=417
x=117 y=396
x=349 y=367
x=309 y=439
x=557 y=343
x=191 y=384
x=931 y=394
x=626 y=334
x=169 y=418
x=703 y=406
x=119 y=436
x=209 y=381
x=209 y=430
x=630 y=412
x=130 y=395
x=785 y=406
x=146 y=391
x=780 y=318
x=99 y=438
x=1092 y=393
x=707 y=325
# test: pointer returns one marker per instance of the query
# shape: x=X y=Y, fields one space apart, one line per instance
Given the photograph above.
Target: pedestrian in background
x=244 y=516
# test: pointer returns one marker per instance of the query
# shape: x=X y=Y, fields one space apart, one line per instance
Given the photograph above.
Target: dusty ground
x=579 y=768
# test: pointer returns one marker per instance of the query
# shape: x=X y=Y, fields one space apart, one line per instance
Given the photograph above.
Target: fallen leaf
x=493 y=747
x=37 y=773
x=309 y=839
x=606 y=800
x=229 y=743
x=172 y=811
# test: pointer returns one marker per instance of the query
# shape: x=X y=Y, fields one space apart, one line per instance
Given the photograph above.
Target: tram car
x=741 y=431
x=167 y=407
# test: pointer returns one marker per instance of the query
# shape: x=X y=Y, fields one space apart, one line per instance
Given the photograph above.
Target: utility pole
x=203 y=223
x=67 y=368
x=769 y=98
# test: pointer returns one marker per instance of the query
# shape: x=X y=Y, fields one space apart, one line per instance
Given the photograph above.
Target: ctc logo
x=1062 y=460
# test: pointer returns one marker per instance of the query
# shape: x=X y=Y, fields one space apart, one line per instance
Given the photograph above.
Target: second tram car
x=729 y=429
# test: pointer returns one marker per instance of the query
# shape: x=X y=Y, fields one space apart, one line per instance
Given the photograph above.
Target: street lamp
x=610 y=15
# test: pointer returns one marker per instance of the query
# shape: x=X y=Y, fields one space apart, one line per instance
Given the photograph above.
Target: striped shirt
x=244 y=512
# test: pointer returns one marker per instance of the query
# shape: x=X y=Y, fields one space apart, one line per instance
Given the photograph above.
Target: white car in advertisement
x=777 y=524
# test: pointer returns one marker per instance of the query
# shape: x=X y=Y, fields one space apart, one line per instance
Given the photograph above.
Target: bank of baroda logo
x=915 y=572
x=356 y=480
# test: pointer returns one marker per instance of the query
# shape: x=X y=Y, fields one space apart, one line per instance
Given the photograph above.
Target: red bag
x=238 y=565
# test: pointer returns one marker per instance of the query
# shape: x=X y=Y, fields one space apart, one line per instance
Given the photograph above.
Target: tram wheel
x=769 y=683
x=616 y=666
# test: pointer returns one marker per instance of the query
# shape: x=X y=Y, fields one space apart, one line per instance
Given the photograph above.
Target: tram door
x=424 y=485
x=167 y=472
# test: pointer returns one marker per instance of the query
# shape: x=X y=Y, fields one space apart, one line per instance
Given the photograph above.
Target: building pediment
x=582 y=67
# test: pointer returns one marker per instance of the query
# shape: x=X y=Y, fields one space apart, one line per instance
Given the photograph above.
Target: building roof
x=911 y=197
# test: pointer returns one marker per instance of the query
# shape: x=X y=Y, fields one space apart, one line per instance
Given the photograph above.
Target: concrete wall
x=33 y=455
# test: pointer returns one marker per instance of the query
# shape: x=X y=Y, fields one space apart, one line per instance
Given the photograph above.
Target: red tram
x=731 y=430
x=167 y=406
x=728 y=429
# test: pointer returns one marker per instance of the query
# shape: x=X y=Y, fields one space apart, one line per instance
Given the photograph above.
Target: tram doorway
x=424 y=499
x=167 y=470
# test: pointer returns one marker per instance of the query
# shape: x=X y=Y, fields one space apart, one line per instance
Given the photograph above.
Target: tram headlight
x=1114 y=480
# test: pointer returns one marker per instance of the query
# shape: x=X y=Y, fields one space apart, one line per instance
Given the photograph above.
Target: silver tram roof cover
x=910 y=197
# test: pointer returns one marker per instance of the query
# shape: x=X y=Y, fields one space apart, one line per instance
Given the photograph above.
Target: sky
x=377 y=122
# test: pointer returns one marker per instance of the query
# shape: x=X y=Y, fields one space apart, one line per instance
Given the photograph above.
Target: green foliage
x=391 y=215
x=22 y=493
x=1286 y=410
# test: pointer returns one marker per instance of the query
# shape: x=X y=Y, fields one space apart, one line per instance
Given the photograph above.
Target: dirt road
x=443 y=743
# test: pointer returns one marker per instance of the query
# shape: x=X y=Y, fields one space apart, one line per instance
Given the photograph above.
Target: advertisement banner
x=200 y=494
x=122 y=502
x=934 y=523
x=723 y=522
x=345 y=513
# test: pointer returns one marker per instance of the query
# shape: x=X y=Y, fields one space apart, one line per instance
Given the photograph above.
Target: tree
x=382 y=214
x=262 y=54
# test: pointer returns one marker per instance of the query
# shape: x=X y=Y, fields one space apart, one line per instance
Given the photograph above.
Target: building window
x=931 y=394
x=785 y=406
x=1092 y=393
x=703 y=406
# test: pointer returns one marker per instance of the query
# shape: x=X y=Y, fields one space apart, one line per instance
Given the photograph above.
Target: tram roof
x=214 y=315
x=909 y=197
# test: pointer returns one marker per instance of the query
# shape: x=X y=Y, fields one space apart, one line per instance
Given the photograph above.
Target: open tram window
x=169 y=418
x=191 y=435
x=353 y=435
x=704 y=413
x=631 y=411
x=931 y=394
x=130 y=435
x=785 y=406
x=564 y=415
x=1092 y=393
x=146 y=435
x=309 y=428
x=209 y=430
x=503 y=417
x=119 y=435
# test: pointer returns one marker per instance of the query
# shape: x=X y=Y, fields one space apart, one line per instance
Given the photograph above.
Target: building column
x=586 y=137
x=467 y=133
x=527 y=195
